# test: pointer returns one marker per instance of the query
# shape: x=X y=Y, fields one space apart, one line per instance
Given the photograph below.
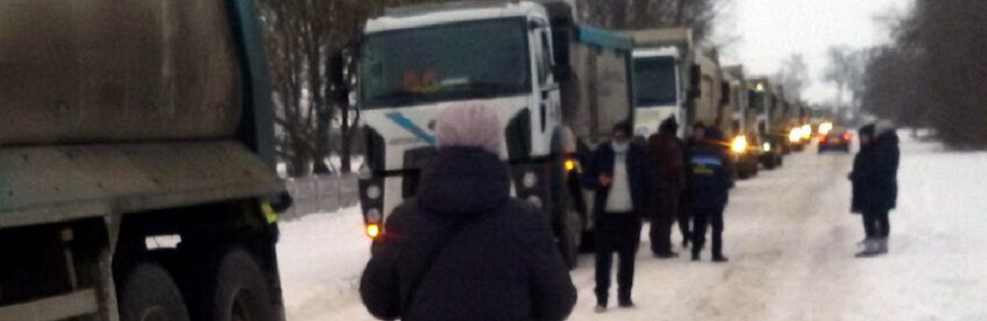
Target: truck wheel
x=769 y=164
x=238 y=290
x=148 y=293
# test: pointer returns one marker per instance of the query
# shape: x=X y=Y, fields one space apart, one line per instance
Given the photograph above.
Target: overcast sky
x=771 y=30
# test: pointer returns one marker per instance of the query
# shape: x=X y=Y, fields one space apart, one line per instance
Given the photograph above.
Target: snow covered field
x=788 y=234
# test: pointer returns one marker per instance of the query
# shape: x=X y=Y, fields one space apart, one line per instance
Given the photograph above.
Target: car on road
x=838 y=139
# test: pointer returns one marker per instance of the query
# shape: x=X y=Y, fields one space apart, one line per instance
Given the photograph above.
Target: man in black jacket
x=875 y=185
x=709 y=180
x=463 y=249
x=622 y=177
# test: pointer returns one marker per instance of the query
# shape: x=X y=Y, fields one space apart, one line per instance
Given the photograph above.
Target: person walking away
x=875 y=185
x=621 y=175
x=463 y=249
x=667 y=153
x=709 y=184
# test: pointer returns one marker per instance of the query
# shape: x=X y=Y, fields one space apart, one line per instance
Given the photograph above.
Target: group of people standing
x=465 y=249
x=664 y=180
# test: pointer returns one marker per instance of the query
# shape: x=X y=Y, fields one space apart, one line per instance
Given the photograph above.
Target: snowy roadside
x=321 y=257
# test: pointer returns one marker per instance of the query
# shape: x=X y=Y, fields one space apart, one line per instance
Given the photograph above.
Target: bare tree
x=845 y=70
x=794 y=76
x=643 y=14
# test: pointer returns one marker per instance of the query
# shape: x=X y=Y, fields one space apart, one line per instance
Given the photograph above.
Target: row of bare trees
x=303 y=39
x=934 y=74
x=303 y=36
x=644 y=14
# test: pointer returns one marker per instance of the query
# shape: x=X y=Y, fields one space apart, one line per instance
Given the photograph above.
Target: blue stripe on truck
x=410 y=126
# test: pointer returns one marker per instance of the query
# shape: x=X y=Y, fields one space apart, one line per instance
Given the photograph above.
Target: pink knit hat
x=469 y=125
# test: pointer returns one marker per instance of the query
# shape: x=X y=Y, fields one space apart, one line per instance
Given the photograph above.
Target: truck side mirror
x=337 y=79
x=694 y=90
x=695 y=76
x=724 y=93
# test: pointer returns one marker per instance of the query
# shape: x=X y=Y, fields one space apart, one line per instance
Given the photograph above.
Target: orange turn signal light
x=570 y=165
x=373 y=230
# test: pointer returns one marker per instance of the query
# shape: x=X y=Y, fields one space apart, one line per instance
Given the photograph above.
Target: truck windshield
x=655 y=82
x=756 y=100
x=477 y=59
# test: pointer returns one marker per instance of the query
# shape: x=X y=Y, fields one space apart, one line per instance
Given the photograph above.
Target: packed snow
x=790 y=239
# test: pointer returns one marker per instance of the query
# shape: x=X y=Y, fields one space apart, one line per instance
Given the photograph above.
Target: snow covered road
x=790 y=239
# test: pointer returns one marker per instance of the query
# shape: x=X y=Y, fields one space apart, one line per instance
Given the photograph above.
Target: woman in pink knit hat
x=464 y=249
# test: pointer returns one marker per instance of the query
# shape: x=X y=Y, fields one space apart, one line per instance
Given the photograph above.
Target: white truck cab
x=417 y=61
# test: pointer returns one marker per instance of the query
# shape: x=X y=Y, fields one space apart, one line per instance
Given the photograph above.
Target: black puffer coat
x=875 y=173
x=503 y=265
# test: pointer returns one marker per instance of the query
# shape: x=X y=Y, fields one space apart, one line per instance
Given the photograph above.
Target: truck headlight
x=570 y=165
x=373 y=230
x=373 y=192
x=529 y=180
x=795 y=135
x=767 y=147
x=739 y=144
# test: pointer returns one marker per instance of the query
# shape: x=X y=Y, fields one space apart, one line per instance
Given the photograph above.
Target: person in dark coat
x=620 y=173
x=709 y=180
x=667 y=153
x=875 y=185
x=464 y=249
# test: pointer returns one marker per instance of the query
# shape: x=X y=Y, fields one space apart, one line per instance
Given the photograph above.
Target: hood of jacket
x=462 y=181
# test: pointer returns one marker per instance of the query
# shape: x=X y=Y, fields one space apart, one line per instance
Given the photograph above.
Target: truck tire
x=237 y=289
x=148 y=293
x=769 y=162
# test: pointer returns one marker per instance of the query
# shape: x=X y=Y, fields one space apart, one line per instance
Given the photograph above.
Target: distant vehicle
x=837 y=139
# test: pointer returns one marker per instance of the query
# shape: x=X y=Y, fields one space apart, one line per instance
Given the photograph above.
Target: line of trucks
x=559 y=87
x=137 y=163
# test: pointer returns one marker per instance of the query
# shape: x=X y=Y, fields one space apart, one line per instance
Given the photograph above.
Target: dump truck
x=137 y=176
x=674 y=77
x=556 y=86
x=770 y=130
x=734 y=120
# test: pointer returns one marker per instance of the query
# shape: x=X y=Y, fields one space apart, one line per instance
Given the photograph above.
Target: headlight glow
x=570 y=165
x=806 y=132
x=373 y=230
x=767 y=147
x=825 y=128
x=739 y=144
x=795 y=135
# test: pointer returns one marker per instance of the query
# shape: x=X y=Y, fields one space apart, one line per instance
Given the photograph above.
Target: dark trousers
x=685 y=217
x=876 y=224
x=704 y=217
x=618 y=233
x=661 y=223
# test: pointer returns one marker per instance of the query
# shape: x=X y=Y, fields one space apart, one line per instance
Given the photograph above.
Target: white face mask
x=620 y=148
